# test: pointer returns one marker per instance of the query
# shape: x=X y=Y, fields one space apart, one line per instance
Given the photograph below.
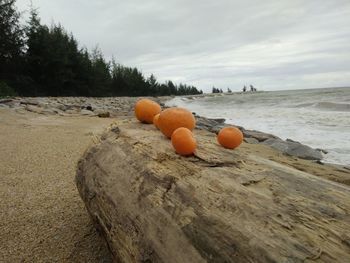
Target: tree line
x=37 y=60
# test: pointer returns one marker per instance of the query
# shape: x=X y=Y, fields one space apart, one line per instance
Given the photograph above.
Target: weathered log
x=217 y=206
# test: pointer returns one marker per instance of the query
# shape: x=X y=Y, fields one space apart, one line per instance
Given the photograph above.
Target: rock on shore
x=218 y=206
x=288 y=146
x=294 y=149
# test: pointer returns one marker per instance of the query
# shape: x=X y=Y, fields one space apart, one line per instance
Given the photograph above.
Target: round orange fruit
x=146 y=109
x=183 y=141
x=230 y=137
x=173 y=118
x=155 y=120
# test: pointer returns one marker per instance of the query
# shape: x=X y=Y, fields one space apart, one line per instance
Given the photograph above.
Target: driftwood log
x=218 y=206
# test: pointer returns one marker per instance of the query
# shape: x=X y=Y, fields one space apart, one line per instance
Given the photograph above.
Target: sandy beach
x=43 y=217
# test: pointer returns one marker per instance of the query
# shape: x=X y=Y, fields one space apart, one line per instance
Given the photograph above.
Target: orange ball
x=183 y=141
x=230 y=137
x=173 y=118
x=146 y=109
x=155 y=120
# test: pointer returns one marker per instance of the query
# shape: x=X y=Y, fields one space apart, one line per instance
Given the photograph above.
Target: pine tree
x=101 y=79
x=153 y=85
x=172 y=88
x=11 y=42
x=35 y=63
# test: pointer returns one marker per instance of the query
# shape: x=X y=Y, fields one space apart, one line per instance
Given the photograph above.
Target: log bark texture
x=217 y=206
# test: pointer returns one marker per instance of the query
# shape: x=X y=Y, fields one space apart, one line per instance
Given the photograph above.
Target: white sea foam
x=319 y=118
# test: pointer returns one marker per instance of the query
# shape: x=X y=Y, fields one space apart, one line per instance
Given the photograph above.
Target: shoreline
x=108 y=107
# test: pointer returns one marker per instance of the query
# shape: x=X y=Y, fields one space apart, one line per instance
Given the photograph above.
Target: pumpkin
x=172 y=118
x=183 y=141
x=155 y=120
x=146 y=109
x=230 y=137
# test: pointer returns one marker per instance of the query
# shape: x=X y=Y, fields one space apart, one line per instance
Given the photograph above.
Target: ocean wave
x=324 y=105
x=303 y=105
x=309 y=117
x=332 y=106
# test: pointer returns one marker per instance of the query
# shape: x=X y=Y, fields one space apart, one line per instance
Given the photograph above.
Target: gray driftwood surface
x=219 y=206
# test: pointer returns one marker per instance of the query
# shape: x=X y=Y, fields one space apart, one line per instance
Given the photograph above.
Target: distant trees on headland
x=37 y=60
x=215 y=90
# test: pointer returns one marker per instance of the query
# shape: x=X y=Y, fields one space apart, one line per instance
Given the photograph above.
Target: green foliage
x=54 y=65
x=11 y=33
x=11 y=39
x=6 y=91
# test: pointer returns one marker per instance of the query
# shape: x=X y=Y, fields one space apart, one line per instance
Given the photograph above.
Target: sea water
x=319 y=118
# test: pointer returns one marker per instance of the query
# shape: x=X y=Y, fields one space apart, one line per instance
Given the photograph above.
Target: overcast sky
x=223 y=43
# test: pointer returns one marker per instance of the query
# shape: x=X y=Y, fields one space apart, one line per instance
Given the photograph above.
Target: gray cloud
x=271 y=44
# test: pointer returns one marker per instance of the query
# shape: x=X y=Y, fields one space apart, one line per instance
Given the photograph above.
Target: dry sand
x=42 y=217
